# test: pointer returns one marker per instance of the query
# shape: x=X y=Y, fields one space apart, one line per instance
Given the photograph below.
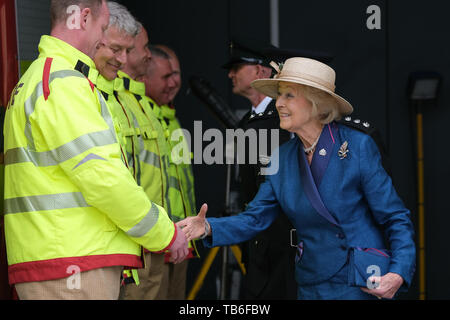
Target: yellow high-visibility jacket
x=183 y=168
x=180 y=165
x=69 y=199
x=124 y=122
x=152 y=175
x=158 y=176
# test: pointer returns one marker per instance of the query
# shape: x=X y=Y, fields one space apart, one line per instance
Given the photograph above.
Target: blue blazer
x=354 y=188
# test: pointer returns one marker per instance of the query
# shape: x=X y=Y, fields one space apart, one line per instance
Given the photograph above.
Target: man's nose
x=171 y=82
x=122 y=57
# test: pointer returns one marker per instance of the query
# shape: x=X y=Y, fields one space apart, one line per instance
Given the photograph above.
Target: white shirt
x=261 y=107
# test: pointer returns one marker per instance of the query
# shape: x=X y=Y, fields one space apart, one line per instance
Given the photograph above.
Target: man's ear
x=259 y=71
x=266 y=71
x=86 y=16
x=263 y=72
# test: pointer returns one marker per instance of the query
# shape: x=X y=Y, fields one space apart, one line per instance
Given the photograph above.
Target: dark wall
x=372 y=69
x=417 y=30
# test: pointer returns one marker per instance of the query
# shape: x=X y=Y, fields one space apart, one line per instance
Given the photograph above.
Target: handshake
x=186 y=230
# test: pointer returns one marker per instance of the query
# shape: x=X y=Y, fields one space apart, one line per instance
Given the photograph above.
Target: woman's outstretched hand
x=194 y=227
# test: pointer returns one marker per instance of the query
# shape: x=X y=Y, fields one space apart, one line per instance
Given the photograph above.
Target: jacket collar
x=261 y=107
x=269 y=112
x=168 y=112
x=131 y=85
x=56 y=48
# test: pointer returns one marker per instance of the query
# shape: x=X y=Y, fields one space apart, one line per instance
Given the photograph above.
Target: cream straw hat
x=304 y=71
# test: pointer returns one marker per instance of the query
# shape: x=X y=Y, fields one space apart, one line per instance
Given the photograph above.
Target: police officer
x=269 y=258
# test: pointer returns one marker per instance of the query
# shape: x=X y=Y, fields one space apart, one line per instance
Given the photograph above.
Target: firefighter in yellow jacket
x=160 y=84
x=74 y=215
x=110 y=57
x=152 y=154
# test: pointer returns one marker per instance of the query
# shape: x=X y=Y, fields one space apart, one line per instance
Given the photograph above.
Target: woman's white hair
x=122 y=19
x=324 y=106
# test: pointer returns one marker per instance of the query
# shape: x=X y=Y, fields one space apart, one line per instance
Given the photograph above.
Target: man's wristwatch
x=207 y=229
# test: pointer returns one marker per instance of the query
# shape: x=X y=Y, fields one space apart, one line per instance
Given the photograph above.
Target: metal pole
x=223 y=285
x=275 y=22
x=421 y=201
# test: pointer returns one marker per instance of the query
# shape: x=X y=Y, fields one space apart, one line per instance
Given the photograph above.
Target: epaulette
x=358 y=124
x=270 y=112
x=367 y=128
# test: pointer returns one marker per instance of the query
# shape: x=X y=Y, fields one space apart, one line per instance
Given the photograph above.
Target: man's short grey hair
x=122 y=19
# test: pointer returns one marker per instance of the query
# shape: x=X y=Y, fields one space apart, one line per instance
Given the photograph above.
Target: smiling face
x=159 y=81
x=139 y=57
x=295 y=111
x=176 y=76
x=95 y=27
x=112 y=55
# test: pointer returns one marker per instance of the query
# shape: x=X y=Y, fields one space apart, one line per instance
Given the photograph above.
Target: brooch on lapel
x=343 y=150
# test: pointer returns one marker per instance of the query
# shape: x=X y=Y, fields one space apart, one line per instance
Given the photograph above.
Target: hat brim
x=269 y=87
x=239 y=60
x=231 y=63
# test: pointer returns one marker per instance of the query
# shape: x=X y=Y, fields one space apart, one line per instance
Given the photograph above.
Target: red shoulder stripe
x=91 y=84
x=45 y=78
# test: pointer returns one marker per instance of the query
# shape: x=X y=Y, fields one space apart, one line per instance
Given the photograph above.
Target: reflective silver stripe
x=165 y=161
x=130 y=159
x=189 y=190
x=88 y=158
x=150 y=158
x=138 y=175
x=62 y=153
x=145 y=224
x=106 y=114
x=138 y=146
x=37 y=93
x=174 y=183
x=45 y=202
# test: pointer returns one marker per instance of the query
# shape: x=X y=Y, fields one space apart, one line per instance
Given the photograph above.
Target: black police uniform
x=269 y=258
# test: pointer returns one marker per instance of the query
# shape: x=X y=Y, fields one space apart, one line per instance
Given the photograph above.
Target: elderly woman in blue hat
x=354 y=236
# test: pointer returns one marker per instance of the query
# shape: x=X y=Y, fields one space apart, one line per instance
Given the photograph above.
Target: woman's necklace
x=311 y=149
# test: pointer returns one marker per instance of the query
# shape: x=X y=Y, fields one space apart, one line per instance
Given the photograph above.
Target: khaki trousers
x=96 y=284
x=158 y=281
x=176 y=284
x=149 y=281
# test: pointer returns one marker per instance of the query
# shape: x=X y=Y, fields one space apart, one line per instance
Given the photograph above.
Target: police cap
x=248 y=51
